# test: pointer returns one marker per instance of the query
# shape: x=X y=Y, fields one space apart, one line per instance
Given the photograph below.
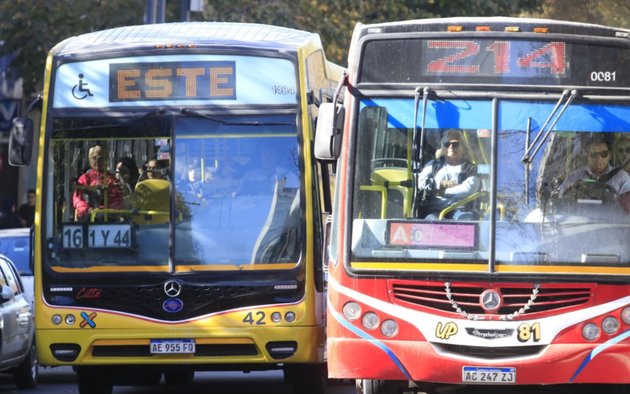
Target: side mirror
x=6 y=294
x=328 y=132
x=21 y=141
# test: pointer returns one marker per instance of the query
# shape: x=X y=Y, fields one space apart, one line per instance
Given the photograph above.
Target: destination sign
x=431 y=235
x=504 y=61
x=172 y=80
x=184 y=80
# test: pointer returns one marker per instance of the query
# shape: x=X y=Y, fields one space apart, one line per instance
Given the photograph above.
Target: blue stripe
x=372 y=340
x=513 y=114
x=595 y=352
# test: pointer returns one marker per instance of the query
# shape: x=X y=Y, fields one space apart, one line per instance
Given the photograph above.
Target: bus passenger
x=96 y=188
x=127 y=174
x=448 y=179
x=193 y=185
x=598 y=168
x=154 y=170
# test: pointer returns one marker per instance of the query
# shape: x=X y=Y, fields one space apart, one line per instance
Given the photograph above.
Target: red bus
x=480 y=228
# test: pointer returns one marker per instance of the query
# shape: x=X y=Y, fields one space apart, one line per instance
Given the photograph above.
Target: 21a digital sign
x=496 y=58
x=502 y=60
x=195 y=80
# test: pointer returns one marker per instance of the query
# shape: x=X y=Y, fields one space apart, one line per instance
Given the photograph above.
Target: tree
x=335 y=20
x=611 y=12
x=30 y=28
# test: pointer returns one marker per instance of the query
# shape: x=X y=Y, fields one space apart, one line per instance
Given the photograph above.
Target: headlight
x=625 y=315
x=70 y=320
x=289 y=316
x=590 y=332
x=610 y=325
x=276 y=317
x=352 y=310
x=370 y=320
x=56 y=320
x=389 y=328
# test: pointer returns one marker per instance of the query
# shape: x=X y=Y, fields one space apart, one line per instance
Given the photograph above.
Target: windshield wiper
x=529 y=156
x=186 y=111
x=418 y=146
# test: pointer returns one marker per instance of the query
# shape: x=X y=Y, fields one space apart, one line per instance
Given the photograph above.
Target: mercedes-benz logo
x=172 y=288
x=490 y=300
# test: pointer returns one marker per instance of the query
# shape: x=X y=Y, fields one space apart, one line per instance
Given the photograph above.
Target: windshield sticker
x=432 y=235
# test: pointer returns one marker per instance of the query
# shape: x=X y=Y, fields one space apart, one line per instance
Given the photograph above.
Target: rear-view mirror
x=6 y=294
x=21 y=141
x=328 y=132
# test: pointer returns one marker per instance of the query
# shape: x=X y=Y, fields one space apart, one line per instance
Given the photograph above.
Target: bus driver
x=450 y=178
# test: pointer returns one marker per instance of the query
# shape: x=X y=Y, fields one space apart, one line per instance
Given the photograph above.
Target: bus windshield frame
x=533 y=231
x=212 y=187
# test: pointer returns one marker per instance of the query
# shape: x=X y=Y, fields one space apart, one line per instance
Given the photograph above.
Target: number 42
x=257 y=318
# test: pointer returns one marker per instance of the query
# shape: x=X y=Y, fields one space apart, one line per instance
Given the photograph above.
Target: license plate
x=500 y=375
x=109 y=236
x=96 y=236
x=172 y=346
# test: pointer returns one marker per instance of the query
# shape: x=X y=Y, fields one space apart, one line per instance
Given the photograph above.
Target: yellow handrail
x=107 y=211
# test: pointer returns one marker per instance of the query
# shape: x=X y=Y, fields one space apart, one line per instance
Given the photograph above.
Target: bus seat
x=152 y=201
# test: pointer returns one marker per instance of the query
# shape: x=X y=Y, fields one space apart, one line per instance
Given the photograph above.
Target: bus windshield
x=568 y=205
x=206 y=193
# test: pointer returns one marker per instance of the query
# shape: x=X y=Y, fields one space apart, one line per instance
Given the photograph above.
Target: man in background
x=26 y=212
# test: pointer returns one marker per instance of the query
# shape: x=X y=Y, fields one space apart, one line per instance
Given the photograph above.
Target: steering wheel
x=462 y=202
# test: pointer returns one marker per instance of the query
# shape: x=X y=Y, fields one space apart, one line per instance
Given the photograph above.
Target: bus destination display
x=187 y=79
x=498 y=57
x=173 y=81
x=494 y=60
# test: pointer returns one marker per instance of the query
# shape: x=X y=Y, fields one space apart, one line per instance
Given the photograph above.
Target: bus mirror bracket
x=328 y=132
x=21 y=141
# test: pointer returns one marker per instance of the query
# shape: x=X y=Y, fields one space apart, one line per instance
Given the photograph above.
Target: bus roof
x=497 y=23
x=187 y=33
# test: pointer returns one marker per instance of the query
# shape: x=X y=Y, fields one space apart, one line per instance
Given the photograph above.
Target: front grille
x=196 y=299
x=467 y=296
x=201 y=350
x=490 y=353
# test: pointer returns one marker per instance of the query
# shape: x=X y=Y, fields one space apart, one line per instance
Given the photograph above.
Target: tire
x=306 y=378
x=94 y=380
x=373 y=386
x=179 y=377
x=26 y=375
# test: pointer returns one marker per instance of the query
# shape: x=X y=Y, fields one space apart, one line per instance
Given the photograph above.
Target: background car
x=17 y=353
x=15 y=243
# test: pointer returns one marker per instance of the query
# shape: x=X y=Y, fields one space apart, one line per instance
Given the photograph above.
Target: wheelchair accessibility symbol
x=80 y=90
x=88 y=320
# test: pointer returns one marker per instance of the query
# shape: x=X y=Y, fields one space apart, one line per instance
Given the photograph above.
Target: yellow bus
x=179 y=215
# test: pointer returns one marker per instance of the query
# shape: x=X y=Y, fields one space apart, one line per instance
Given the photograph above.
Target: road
x=61 y=380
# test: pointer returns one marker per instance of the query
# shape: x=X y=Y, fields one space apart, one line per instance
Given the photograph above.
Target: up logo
x=445 y=331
